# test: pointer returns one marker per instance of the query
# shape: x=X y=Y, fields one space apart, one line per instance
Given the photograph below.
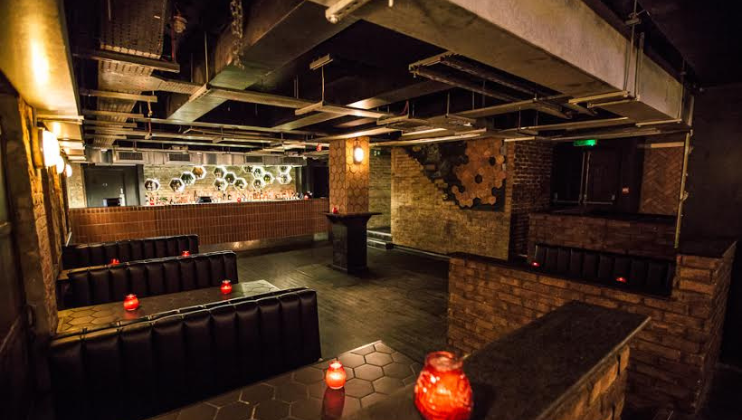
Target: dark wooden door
x=602 y=176
x=567 y=175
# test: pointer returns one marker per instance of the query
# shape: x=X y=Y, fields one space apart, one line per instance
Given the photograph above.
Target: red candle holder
x=535 y=264
x=442 y=391
x=335 y=375
x=226 y=287
x=621 y=280
x=115 y=261
x=335 y=210
x=131 y=302
x=185 y=253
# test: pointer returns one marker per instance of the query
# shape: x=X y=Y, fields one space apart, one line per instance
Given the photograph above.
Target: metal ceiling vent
x=128 y=157
x=178 y=158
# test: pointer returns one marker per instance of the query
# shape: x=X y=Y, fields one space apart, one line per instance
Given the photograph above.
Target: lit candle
x=535 y=264
x=115 y=261
x=442 y=391
x=621 y=280
x=185 y=253
x=131 y=302
x=335 y=210
x=226 y=287
x=335 y=376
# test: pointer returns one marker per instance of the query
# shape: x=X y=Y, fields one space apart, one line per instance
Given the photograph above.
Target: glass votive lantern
x=226 y=287
x=442 y=391
x=335 y=376
x=115 y=261
x=185 y=253
x=131 y=302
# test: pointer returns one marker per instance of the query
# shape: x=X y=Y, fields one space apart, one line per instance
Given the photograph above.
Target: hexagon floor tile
x=373 y=372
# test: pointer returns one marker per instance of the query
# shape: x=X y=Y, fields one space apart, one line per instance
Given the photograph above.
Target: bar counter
x=214 y=223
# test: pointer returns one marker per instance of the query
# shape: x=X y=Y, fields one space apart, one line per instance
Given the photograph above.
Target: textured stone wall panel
x=349 y=181
x=661 y=181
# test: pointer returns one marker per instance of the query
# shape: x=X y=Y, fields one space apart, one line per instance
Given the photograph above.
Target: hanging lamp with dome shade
x=199 y=172
x=177 y=185
x=240 y=183
x=152 y=185
x=220 y=184
x=230 y=177
x=188 y=178
x=220 y=171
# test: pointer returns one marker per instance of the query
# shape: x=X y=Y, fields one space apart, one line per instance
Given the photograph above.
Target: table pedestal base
x=349 y=241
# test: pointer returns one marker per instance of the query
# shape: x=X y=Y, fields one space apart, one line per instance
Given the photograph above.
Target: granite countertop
x=109 y=314
x=526 y=374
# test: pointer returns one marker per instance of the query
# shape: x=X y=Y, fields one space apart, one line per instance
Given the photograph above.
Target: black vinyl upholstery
x=150 y=367
x=87 y=255
x=648 y=275
x=149 y=278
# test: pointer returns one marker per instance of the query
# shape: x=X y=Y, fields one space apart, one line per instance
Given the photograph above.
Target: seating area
x=370 y=210
x=91 y=286
x=102 y=253
x=169 y=360
x=635 y=273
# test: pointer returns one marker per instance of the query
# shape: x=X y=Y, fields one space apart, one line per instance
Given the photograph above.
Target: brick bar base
x=213 y=223
x=601 y=396
x=673 y=358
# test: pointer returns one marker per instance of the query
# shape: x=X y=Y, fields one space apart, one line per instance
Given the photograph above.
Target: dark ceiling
x=703 y=33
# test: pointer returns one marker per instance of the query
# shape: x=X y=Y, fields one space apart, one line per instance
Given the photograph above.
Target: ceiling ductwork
x=129 y=156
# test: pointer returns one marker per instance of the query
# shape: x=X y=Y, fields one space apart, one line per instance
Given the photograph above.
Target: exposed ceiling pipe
x=462 y=83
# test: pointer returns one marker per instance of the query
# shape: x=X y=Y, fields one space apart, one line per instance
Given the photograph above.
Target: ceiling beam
x=462 y=83
x=134 y=60
x=118 y=95
x=96 y=113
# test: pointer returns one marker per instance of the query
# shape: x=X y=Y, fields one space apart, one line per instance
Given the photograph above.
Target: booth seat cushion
x=86 y=255
x=642 y=274
x=150 y=277
x=150 y=367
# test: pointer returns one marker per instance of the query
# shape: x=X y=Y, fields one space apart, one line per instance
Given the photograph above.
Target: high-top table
x=112 y=314
x=374 y=372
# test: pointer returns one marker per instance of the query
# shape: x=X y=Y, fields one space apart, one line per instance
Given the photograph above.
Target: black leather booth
x=86 y=255
x=150 y=367
x=93 y=286
x=642 y=274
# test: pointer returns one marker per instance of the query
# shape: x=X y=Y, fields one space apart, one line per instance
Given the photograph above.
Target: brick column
x=348 y=179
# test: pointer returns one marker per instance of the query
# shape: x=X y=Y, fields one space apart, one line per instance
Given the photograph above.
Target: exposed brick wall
x=423 y=219
x=531 y=189
x=213 y=223
x=672 y=358
x=30 y=190
x=380 y=189
x=349 y=181
x=601 y=396
x=661 y=181
x=636 y=237
x=205 y=187
x=76 y=187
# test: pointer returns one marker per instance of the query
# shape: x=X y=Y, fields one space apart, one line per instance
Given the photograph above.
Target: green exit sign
x=585 y=143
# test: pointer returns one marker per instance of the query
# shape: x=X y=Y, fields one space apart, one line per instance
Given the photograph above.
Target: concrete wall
x=380 y=189
x=714 y=186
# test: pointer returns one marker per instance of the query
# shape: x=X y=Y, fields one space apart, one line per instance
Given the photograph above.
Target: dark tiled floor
x=402 y=300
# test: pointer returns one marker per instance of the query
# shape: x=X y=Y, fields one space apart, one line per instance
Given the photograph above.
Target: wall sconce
x=358 y=154
x=68 y=170
x=50 y=149
x=60 y=165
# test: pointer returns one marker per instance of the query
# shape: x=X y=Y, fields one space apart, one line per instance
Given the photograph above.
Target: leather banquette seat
x=649 y=275
x=93 y=286
x=86 y=255
x=149 y=367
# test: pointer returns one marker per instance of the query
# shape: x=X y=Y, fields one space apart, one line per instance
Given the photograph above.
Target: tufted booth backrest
x=649 y=275
x=150 y=277
x=86 y=255
x=150 y=367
